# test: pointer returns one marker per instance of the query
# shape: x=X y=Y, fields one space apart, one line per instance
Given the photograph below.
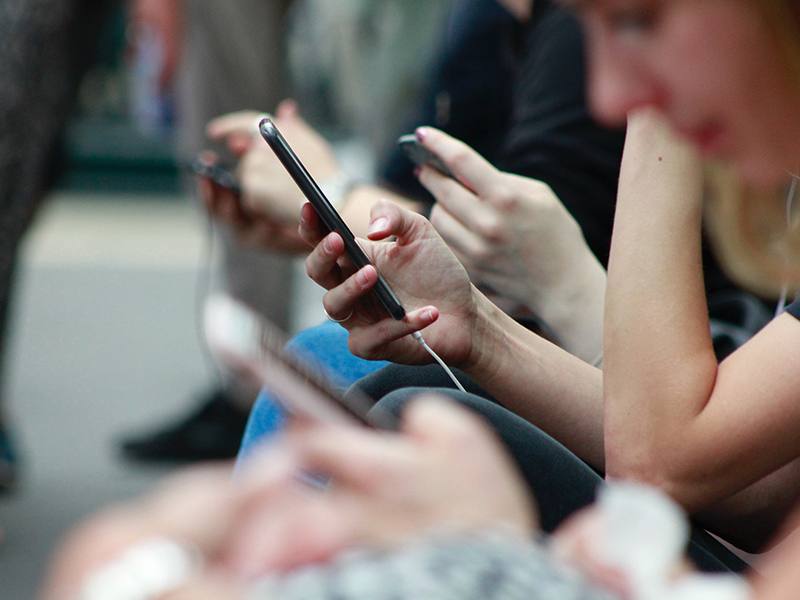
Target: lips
x=708 y=139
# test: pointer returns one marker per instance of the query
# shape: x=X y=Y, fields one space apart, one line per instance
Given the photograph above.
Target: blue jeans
x=325 y=346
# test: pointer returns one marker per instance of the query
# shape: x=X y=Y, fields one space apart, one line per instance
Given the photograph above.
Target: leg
x=326 y=347
x=559 y=480
x=233 y=60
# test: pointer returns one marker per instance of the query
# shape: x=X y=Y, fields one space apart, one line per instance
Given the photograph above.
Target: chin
x=763 y=175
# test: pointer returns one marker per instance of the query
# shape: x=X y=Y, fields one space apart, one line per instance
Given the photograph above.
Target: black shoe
x=213 y=432
x=9 y=463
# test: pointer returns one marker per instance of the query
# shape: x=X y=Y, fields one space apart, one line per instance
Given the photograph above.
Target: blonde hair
x=756 y=234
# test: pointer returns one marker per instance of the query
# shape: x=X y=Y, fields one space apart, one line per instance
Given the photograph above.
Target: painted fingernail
x=378 y=225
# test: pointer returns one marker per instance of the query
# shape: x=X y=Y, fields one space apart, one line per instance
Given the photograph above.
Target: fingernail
x=427 y=315
x=362 y=278
x=417 y=171
x=421 y=133
x=326 y=245
x=378 y=225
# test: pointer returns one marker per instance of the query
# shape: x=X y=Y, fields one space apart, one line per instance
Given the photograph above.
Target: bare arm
x=674 y=417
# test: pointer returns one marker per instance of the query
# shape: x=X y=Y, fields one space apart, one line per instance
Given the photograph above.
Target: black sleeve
x=794 y=309
x=470 y=90
x=552 y=137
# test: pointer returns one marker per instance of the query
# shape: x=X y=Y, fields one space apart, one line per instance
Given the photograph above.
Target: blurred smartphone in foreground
x=327 y=213
x=253 y=347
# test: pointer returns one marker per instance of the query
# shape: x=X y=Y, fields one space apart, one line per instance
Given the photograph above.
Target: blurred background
x=102 y=337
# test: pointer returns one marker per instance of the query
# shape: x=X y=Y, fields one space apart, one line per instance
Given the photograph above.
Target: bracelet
x=145 y=570
x=337 y=188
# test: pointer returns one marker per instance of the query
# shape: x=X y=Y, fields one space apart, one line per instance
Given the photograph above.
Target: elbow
x=647 y=466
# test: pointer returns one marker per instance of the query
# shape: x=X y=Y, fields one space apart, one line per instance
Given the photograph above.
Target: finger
x=228 y=209
x=207 y=587
x=434 y=420
x=461 y=202
x=339 y=301
x=373 y=342
x=206 y=193
x=239 y=144
x=322 y=264
x=240 y=122
x=462 y=240
x=311 y=228
x=287 y=109
x=477 y=215
x=354 y=456
x=469 y=167
x=387 y=219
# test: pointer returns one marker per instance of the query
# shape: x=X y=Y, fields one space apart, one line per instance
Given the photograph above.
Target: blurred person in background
x=229 y=55
x=218 y=56
x=509 y=80
x=45 y=46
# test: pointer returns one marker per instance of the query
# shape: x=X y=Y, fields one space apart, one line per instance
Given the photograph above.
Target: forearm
x=544 y=384
x=574 y=312
x=659 y=363
x=752 y=519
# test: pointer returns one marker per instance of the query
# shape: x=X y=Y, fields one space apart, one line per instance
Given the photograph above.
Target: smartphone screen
x=253 y=346
x=332 y=220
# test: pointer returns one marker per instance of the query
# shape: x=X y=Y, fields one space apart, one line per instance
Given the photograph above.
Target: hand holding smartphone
x=254 y=347
x=219 y=175
x=327 y=213
x=421 y=156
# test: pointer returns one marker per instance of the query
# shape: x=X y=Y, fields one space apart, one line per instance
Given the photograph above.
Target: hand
x=251 y=228
x=427 y=279
x=444 y=471
x=266 y=186
x=516 y=237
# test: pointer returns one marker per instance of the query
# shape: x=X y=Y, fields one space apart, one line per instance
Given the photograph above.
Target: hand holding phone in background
x=515 y=237
x=222 y=195
x=266 y=186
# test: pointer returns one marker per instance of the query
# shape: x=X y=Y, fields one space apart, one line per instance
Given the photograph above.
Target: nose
x=618 y=83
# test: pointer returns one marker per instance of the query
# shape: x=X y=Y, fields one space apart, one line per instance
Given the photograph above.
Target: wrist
x=574 y=311
x=337 y=188
x=488 y=338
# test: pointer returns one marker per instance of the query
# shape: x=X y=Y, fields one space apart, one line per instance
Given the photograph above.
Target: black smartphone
x=253 y=346
x=421 y=156
x=219 y=175
x=332 y=220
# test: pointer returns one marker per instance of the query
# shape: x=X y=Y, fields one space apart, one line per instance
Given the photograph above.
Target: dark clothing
x=516 y=94
x=45 y=46
x=470 y=88
x=794 y=309
x=560 y=481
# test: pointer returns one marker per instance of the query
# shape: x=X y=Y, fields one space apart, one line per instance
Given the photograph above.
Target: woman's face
x=711 y=66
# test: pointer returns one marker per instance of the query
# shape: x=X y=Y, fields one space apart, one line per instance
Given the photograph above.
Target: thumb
x=387 y=219
x=435 y=420
x=288 y=109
